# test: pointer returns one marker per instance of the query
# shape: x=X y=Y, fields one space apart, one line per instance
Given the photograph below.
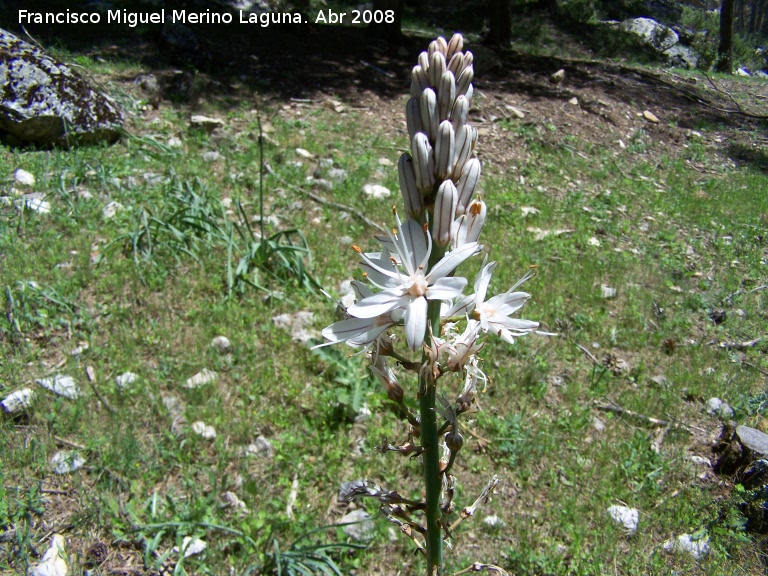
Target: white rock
x=540 y=234
x=111 y=209
x=684 y=544
x=206 y=122
x=191 y=546
x=202 y=429
x=337 y=174
x=594 y=242
x=221 y=344
x=210 y=156
x=262 y=447
x=628 y=518
x=607 y=291
x=80 y=349
x=717 y=407
x=516 y=112
x=364 y=414
x=53 y=563
x=201 y=378
x=362 y=529
x=297 y=324
x=493 y=521
x=24 y=178
x=598 y=424
x=376 y=191
x=529 y=211
x=38 y=205
x=304 y=153
x=66 y=462
x=18 y=401
x=61 y=385
x=231 y=500
x=174 y=142
x=701 y=461
x=124 y=381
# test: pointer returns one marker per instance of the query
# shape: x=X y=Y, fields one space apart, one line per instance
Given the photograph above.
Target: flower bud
x=444 y=150
x=455 y=45
x=436 y=68
x=412 y=198
x=475 y=220
x=423 y=162
x=445 y=208
x=413 y=116
x=419 y=81
x=467 y=183
x=428 y=113
x=464 y=79
x=424 y=61
x=446 y=94
x=459 y=112
x=454 y=440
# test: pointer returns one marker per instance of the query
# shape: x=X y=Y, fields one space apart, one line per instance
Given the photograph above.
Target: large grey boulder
x=652 y=33
x=44 y=101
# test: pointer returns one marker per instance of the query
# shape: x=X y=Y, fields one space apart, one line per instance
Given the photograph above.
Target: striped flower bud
x=423 y=162
x=445 y=208
x=455 y=45
x=456 y=63
x=428 y=112
x=412 y=198
x=444 y=150
x=419 y=81
x=436 y=69
x=465 y=143
x=459 y=112
x=446 y=94
x=464 y=79
x=424 y=61
x=413 y=117
x=467 y=183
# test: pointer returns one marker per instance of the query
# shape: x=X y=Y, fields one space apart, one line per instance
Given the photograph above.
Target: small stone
x=206 y=122
x=62 y=385
x=338 y=174
x=38 y=205
x=174 y=142
x=376 y=191
x=650 y=116
x=221 y=344
x=701 y=461
x=685 y=544
x=211 y=156
x=359 y=525
x=123 y=381
x=594 y=242
x=304 y=153
x=297 y=323
x=173 y=405
x=202 y=429
x=493 y=521
x=529 y=211
x=516 y=112
x=607 y=291
x=628 y=518
x=18 y=401
x=661 y=381
x=364 y=414
x=753 y=439
x=598 y=424
x=323 y=184
x=111 y=209
x=573 y=101
x=66 y=462
x=231 y=500
x=717 y=407
x=54 y=563
x=201 y=378
x=262 y=448
x=24 y=178
x=191 y=546
x=557 y=77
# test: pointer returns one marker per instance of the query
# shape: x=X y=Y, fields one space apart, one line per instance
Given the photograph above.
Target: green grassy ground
x=678 y=233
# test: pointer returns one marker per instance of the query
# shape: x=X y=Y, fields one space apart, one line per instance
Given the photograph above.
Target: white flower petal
x=483 y=279
x=416 y=323
x=451 y=261
x=378 y=304
x=446 y=288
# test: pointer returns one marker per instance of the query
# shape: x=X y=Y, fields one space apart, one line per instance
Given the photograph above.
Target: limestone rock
x=653 y=33
x=46 y=102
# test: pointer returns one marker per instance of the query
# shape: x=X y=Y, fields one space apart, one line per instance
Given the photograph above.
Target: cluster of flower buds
x=440 y=175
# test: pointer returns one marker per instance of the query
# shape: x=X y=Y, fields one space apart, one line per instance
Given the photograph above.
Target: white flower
x=494 y=315
x=405 y=281
x=360 y=331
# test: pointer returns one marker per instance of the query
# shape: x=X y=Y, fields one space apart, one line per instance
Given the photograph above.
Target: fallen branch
x=741 y=345
x=739 y=292
x=764 y=372
x=732 y=99
x=588 y=354
x=616 y=409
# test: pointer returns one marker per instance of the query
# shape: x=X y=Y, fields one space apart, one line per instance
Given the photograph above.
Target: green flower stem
x=429 y=441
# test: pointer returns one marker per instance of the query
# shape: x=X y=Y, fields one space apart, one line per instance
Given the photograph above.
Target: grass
x=149 y=288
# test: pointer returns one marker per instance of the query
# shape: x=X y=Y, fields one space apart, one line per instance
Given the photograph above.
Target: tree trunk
x=387 y=30
x=725 y=51
x=500 y=32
